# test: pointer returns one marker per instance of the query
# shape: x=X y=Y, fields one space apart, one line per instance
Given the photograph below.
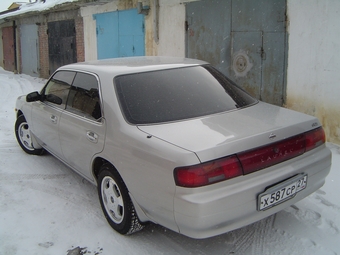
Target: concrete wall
x=313 y=75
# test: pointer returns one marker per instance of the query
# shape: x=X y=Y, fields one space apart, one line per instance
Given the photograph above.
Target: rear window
x=177 y=94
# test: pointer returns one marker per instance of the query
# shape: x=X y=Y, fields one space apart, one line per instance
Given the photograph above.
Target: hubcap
x=112 y=199
x=25 y=136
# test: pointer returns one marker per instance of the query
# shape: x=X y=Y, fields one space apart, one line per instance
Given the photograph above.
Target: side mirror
x=33 y=96
x=53 y=99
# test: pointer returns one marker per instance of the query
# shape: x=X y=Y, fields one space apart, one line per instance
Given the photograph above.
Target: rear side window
x=178 y=94
x=84 y=97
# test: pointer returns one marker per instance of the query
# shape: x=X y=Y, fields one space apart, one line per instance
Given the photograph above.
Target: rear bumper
x=222 y=207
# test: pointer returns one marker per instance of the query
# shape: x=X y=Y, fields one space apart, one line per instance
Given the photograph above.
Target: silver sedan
x=175 y=142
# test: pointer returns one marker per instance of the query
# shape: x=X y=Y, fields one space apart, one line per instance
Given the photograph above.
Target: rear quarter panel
x=145 y=163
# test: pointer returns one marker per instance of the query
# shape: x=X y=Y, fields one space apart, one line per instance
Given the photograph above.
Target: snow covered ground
x=45 y=208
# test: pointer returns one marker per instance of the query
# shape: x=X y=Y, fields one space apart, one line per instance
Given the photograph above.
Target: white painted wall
x=171 y=29
x=313 y=75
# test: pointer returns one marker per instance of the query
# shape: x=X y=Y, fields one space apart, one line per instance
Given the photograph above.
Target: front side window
x=177 y=94
x=58 y=87
x=83 y=98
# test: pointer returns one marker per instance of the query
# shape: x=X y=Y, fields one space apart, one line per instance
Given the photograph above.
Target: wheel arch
x=29 y=144
x=19 y=113
x=97 y=164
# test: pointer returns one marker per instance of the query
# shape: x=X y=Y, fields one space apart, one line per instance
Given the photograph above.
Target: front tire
x=24 y=138
x=116 y=202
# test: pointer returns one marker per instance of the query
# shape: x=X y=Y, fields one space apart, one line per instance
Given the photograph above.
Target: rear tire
x=116 y=202
x=24 y=138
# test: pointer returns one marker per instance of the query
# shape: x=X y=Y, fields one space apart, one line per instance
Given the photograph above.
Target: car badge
x=272 y=136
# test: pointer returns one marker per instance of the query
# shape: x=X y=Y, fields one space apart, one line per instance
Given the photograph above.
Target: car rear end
x=254 y=159
x=240 y=188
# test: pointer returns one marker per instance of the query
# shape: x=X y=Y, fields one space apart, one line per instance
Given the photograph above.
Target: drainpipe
x=156 y=20
x=15 y=47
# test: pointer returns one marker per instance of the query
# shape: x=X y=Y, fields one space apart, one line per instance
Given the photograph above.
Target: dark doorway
x=61 y=44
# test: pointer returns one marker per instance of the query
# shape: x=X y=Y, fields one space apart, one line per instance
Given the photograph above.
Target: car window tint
x=59 y=86
x=177 y=94
x=84 y=97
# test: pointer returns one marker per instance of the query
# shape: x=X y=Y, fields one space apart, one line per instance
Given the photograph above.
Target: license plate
x=281 y=192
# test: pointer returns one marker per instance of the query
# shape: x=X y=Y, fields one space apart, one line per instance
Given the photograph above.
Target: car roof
x=119 y=66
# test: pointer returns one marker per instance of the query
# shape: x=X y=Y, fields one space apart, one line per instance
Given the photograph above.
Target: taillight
x=315 y=138
x=272 y=154
x=208 y=173
x=249 y=161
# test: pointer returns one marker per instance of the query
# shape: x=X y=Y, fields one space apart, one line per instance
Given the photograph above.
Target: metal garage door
x=29 y=49
x=244 y=39
x=8 y=48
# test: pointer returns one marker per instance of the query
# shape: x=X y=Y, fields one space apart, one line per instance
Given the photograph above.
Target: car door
x=46 y=113
x=82 y=126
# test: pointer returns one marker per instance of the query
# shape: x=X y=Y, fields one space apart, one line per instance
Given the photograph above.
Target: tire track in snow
x=9 y=146
x=28 y=83
x=5 y=89
x=244 y=241
x=263 y=229
x=160 y=236
x=308 y=224
x=90 y=205
x=325 y=202
x=25 y=85
x=23 y=177
x=252 y=239
x=313 y=218
x=10 y=149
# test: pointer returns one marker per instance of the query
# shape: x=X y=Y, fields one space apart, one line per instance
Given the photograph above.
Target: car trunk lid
x=219 y=135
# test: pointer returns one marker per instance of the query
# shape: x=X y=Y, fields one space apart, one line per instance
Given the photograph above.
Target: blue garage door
x=120 y=34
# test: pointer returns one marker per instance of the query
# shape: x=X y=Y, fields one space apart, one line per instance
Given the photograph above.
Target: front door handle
x=92 y=136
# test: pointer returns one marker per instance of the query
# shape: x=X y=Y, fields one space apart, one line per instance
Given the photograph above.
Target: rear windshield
x=177 y=94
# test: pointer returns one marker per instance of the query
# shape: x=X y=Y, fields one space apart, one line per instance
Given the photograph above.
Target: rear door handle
x=54 y=119
x=92 y=136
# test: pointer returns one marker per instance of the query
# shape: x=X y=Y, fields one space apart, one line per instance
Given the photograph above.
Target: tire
x=24 y=138
x=116 y=202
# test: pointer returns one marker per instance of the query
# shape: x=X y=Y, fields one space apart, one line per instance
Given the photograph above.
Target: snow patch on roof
x=36 y=7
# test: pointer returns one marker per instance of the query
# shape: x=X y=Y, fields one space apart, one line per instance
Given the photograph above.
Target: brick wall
x=18 y=42
x=80 y=39
x=43 y=51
